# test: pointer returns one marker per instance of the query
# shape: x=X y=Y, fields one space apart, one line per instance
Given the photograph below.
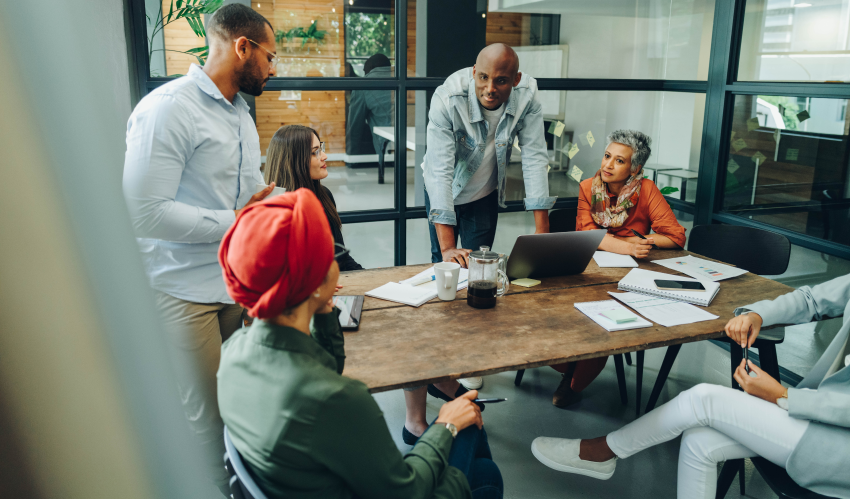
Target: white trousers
x=717 y=424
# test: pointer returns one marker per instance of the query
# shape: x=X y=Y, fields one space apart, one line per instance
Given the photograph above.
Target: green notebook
x=619 y=316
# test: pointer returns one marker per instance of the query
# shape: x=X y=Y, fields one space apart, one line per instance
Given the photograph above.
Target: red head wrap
x=276 y=253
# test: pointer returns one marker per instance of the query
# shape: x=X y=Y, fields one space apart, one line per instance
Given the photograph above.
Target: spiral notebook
x=642 y=281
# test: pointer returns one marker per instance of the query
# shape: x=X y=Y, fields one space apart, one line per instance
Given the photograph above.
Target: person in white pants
x=805 y=430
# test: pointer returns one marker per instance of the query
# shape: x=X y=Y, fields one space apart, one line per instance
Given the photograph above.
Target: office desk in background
x=399 y=346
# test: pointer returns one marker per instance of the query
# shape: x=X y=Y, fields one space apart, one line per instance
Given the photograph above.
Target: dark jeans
x=471 y=454
x=476 y=224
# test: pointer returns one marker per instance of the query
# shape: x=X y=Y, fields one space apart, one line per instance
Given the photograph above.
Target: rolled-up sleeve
x=439 y=166
x=159 y=143
x=535 y=160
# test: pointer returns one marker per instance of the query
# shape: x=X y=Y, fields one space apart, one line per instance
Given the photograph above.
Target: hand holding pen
x=743 y=330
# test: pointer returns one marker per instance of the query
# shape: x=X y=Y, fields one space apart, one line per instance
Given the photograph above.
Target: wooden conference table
x=400 y=346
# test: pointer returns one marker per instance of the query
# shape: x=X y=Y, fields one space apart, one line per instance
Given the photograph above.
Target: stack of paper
x=401 y=292
x=666 y=312
x=594 y=310
x=643 y=281
x=605 y=259
x=699 y=268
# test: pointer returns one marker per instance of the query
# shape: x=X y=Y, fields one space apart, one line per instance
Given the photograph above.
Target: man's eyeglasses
x=340 y=250
x=274 y=60
x=320 y=150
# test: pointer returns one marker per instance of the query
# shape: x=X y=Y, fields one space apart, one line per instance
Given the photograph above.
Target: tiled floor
x=529 y=412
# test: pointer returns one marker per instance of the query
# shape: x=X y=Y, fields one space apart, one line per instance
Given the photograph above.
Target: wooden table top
x=400 y=346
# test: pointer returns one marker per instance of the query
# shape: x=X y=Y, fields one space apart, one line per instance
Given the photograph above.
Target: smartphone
x=679 y=285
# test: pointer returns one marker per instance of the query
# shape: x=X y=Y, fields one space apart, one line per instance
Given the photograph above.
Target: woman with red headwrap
x=303 y=429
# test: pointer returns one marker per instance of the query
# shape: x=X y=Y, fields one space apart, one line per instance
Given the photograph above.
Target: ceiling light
x=483 y=14
x=258 y=6
x=333 y=9
x=350 y=2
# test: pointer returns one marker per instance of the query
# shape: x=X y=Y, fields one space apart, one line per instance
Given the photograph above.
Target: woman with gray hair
x=619 y=199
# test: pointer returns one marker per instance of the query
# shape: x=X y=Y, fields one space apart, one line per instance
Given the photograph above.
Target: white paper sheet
x=462 y=279
x=699 y=268
x=594 y=309
x=605 y=259
x=666 y=312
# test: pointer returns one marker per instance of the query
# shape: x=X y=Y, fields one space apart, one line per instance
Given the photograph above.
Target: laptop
x=552 y=255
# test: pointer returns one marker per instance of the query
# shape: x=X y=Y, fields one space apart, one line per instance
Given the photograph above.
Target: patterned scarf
x=600 y=203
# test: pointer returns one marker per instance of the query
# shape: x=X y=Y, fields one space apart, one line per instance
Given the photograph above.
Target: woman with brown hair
x=295 y=159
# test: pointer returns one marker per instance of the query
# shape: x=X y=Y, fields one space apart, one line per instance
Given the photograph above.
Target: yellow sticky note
x=566 y=149
x=759 y=157
x=556 y=128
x=526 y=282
x=590 y=138
x=576 y=173
x=752 y=124
x=733 y=135
x=732 y=167
x=738 y=145
x=573 y=151
x=548 y=168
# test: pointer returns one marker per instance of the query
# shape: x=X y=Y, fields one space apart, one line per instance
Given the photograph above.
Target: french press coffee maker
x=487 y=278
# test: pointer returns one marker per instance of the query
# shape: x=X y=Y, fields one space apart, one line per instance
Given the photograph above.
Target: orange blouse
x=651 y=211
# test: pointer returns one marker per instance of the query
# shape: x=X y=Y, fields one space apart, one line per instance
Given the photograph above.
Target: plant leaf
x=669 y=190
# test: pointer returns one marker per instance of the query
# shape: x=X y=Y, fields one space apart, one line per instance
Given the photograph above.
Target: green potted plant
x=191 y=11
x=312 y=35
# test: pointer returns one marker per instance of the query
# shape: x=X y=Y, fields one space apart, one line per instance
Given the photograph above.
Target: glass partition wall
x=746 y=101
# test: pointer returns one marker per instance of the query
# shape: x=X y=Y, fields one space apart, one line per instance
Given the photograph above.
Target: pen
x=423 y=280
x=638 y=234
x=488 y=401
x=747 y=357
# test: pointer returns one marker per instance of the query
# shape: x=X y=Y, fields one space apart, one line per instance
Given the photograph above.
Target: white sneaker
x=472 y=383
x=562 y=454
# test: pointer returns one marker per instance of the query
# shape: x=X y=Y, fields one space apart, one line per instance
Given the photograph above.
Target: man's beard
x=251 y=80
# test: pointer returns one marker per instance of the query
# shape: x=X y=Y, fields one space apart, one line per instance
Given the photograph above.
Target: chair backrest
x=780 y=483
x=563 y=220
x=242 y=484
x=759 y=251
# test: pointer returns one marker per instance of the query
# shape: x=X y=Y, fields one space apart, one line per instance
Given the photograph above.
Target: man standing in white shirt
x=192 y=164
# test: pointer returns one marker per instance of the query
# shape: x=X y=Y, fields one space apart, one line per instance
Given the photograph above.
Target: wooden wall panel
x=505 y=28
x=322 y=110
x=178 y=35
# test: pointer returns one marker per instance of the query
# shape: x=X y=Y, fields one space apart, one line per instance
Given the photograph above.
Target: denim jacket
x=457 y=131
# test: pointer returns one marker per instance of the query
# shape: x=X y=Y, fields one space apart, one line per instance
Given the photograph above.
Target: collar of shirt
x=207 y=86
x=475 y=113
x=289 y=339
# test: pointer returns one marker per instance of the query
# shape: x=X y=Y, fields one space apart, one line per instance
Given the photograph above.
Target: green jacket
x=306 y=431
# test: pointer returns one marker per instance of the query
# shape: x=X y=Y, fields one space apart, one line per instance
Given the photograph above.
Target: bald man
x=474 y=118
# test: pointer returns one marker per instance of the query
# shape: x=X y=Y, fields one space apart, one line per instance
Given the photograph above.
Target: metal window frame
x=720 y=88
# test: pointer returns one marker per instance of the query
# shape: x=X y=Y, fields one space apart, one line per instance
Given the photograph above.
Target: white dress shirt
x=192 y=159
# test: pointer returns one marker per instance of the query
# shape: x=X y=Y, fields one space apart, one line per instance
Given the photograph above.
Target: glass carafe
x=487 y=278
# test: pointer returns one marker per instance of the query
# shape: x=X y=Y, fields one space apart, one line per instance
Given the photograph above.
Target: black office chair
x=775 y=476
x=564 y=220
x=761 y=252
x=242 y=484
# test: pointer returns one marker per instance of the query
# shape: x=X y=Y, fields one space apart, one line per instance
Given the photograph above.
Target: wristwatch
x=782 y=401
x=452 y=429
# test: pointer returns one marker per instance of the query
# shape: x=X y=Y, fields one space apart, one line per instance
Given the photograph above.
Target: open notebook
x=401 y=292
x=642 y=281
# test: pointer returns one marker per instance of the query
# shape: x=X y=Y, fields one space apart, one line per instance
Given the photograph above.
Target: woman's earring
x=317 y=295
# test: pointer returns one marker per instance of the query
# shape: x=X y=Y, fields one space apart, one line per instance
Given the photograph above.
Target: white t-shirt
x=485 y=179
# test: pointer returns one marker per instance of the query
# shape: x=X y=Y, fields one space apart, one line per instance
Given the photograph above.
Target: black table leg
x=736 y=353
x=518 y=378
x=768 y=360
x=381 y=163
x=628 y=358
x=666 y=365
x=639 y=380
x=727 y=474
x=621 y=378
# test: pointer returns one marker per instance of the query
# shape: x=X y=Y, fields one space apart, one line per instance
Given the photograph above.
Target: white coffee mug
x=275 y=192
x=447 y=274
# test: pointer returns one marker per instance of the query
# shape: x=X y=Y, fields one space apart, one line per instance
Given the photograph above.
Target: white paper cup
x=447 y=274
x=275 y=192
